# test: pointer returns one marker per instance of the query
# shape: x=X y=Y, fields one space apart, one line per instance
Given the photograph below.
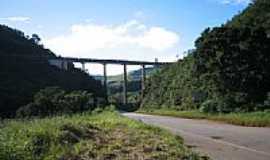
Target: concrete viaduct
x=62 y=62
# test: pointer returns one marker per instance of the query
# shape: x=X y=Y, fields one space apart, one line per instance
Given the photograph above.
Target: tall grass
x=106 y=135
x=252 y=119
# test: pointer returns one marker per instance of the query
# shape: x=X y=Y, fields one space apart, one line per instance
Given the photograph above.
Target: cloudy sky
x=118 y=29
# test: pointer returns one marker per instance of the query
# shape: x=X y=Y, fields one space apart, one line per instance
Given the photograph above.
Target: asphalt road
x=217 y=140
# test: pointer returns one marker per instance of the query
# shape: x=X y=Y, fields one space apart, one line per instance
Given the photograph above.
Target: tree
x=256 y=15
x=35 y=38
x=237 y=59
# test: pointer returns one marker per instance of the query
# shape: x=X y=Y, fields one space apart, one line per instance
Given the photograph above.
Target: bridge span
x=62 y=62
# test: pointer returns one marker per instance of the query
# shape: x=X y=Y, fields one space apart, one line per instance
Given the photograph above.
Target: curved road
x=219 y=141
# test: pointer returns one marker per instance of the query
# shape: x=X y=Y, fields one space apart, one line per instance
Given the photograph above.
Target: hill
x=132 y=75
x=24 y=70
x=227 y=72
x=115 y=85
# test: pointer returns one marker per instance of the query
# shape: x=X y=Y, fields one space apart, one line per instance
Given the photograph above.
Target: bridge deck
x=65 y=60
x=111 y=61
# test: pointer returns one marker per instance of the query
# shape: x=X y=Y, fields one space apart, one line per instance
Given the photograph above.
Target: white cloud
x=131 y=40
x=18 y=19
x=235 y=2
x=85 y=40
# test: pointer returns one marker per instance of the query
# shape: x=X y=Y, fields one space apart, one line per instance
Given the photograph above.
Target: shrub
x=188 y=104
x=267 y=100
x=227 y=104
x=209 y=106
x=53 y=100
x=28 y=110
x=97 y=110
x=39 y=145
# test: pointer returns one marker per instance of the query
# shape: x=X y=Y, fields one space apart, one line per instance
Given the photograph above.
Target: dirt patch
x=191 y=146
x=123 y=142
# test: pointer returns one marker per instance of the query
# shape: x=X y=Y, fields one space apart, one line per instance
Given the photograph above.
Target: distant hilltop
x=132 y=75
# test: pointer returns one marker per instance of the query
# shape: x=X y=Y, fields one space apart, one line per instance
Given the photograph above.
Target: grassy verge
x=253 y=119
x=107 y=135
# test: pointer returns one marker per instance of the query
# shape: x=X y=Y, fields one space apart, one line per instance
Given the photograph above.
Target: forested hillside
x=24 y=70
x=228 y=71
x=255 y=15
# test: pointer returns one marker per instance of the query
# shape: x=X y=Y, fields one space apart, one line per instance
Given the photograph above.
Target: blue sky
x=127 y=29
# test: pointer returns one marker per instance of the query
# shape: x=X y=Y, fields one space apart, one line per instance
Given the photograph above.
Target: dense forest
x=229 y=69
x=24 y=70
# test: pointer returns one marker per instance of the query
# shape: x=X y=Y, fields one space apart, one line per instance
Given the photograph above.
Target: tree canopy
x=230 y=67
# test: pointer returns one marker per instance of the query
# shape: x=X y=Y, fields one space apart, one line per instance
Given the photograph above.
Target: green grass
x=253 y=119
x=106 y=135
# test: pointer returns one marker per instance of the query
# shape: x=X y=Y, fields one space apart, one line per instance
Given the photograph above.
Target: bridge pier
x=125 y=97
x=83 y=66
x=63 y=63
x=105 y=82
x=143 y=77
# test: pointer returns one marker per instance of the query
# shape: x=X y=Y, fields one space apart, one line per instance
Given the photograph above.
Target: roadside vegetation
x=225 y=78
x=53 y=101
x=105 y=135
x=65 y=125
x=227 y=74
x=251 y=119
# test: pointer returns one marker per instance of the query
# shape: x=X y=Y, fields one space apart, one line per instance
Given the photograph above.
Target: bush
x=188 y=104
x=39 y=145
x=227 y=104
x=28 y=110
x=209 y=106
x=267 y=100
x=53 y=100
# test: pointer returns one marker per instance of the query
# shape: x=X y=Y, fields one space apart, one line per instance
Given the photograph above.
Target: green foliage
x=35 y=38
x=117 y=98
x=24 y=70
x=256 y=15
x=116 y=87
x=267 y=100
x=134 y=84
x=39 y=145
x=221 y=105
x=237 y=60
x=251 y=119
x=89 y=136
x=209 y=106
x=52 y=101
x=228 y=71
x=174 y=85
